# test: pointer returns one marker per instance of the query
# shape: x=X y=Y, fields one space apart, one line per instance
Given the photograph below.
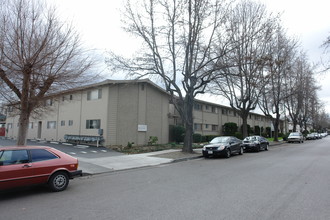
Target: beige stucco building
x=125 y=111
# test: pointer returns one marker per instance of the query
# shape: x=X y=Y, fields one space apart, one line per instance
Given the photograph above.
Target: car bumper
x=249 y=147
x=76 y=173
x=208 y=153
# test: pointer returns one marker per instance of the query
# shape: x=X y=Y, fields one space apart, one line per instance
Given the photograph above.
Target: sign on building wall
x=142 y=127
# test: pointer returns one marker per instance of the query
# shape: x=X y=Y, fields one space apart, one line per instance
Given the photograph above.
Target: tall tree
x=241 y=77
x=178 y=38
x=39 y=54
x=282 y=52
x=298 y=82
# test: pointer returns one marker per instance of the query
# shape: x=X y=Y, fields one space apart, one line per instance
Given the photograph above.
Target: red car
x=25 y=166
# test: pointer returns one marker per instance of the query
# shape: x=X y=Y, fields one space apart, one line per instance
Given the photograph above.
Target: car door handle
x=27 y=165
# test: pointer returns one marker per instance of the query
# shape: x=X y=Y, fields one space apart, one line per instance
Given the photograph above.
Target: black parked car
x=223 y=146
x=255 y=143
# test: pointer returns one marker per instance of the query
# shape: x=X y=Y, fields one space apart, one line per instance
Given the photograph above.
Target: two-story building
x=123 y=111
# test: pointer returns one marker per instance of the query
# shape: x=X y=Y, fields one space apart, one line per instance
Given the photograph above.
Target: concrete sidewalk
x=107 y=164
x=91 y=166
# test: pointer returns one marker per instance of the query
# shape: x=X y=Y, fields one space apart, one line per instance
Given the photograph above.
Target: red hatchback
x=25 y=166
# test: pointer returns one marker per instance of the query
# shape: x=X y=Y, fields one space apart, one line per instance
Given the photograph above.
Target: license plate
x=210 y=152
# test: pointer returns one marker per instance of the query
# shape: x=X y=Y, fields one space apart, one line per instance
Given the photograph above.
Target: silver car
x=295 y=137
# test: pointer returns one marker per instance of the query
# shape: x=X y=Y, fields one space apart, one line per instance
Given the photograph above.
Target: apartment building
x=118 y=112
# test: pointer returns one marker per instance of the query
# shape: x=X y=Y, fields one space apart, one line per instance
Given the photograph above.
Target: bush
x=285 y=136
x=178 y=133
x=230 y=128
x=197 y=138
x=153 y=140
x=209 y=138
x=239 y=135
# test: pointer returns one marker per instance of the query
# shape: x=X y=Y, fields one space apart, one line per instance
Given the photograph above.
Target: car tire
x=58 y=181
x=241 y=151
x=228 y=153
x=266 y=148
x=258 y=148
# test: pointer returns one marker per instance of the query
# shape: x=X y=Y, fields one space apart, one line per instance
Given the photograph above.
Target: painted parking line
x=81 y=146
x=104 y=151
x=83 y=152
x=73 y=153
x=94 y=151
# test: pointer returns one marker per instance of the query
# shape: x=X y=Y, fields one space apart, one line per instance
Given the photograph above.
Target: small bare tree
x=178 y=39
x=39 y=54
x=241 y=72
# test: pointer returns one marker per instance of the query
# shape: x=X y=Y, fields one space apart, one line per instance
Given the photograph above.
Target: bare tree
x=282 y=52
x=39 y=54
x=241 y=77
x=178 y=39
x=299 y=85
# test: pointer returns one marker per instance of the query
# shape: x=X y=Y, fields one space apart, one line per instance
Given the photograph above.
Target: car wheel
x=258 y=148
x=241 y=151
x=228 y=153
x=266 y=148
x=58 y=181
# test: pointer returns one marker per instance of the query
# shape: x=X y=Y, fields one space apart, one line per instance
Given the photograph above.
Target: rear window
x=41 y=155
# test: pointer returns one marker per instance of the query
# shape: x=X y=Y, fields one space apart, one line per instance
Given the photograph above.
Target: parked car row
x=26 y=166
x=227 y=145
x=314 y=136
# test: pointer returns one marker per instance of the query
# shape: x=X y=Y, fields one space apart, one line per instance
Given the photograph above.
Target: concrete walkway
x=124 y=162
x=91 y=166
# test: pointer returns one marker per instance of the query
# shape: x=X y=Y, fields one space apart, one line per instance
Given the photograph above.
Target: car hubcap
x=59 y=181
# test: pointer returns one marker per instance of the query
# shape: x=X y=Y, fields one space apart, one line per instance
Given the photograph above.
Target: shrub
x=197 y=138
x=208 y=138
x=239 y=135
x=178 y=133
x=230 y=128
x=153 y=140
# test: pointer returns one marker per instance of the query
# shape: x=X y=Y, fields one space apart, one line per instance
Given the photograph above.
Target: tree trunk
x=189 y=124
x=23 y=128
x=25 y=107
x=276 y=125
x=244 y=125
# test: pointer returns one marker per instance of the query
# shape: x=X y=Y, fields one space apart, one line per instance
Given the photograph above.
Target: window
x=224 y=111
x=93 y=124
x=94 y=94
x=206 y=126
x=51 y=124
x=207 y=107
x=214 y=127
x=10 y=108
x=197 y=127
x=70 y=122
x=198 y=107
x=9 y=157
x=62 y=123
x=30 y=125
x=41 y=155
x=214 y=109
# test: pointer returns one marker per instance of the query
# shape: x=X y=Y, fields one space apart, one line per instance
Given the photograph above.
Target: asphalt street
x=290 y=181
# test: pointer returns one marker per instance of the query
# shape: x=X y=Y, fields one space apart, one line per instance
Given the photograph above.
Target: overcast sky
x=98 y=22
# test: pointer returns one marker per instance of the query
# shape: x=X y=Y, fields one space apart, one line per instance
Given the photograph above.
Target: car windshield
x=294 y=134
x=252 y=138
x=219 y=140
